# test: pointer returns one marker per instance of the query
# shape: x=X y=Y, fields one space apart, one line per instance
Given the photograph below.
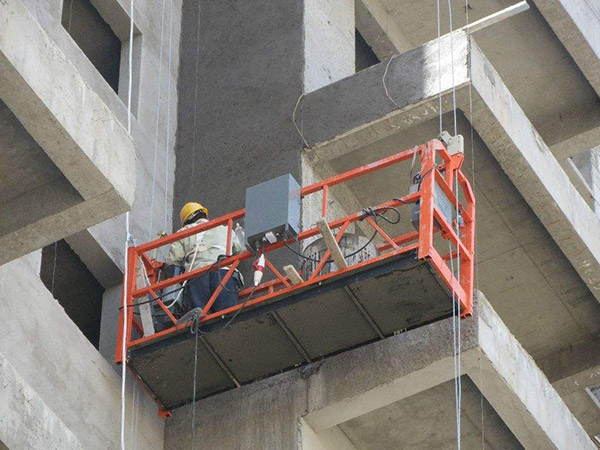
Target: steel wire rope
x=156 y=132
x=128 y=239
x=455 y=309
x=471 y=136
x=169 y=76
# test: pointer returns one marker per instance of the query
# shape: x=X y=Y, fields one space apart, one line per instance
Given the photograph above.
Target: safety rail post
x=468 y=272
x=132 y=261
x=324 y=205
x=426 y=207
x=423 y=237
x=229 y=236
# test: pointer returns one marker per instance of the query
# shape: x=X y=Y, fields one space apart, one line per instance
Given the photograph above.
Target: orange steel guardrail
x=447 y=175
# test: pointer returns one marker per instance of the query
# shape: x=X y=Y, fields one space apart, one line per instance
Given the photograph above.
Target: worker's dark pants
x=202 y=288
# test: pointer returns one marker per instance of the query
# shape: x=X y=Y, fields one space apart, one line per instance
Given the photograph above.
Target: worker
x=203 y=249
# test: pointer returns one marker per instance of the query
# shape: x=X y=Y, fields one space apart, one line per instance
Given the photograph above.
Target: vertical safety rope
x=471 y=136
x=195 y=328
x=168 y=112
x=456 y=325
x=452 y=62
x=158 y=99
x=439 y=36
x=127 y=241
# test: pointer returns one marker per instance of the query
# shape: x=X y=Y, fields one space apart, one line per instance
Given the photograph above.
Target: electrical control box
x=272 y=211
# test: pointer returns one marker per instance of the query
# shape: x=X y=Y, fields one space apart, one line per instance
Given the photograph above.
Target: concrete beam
x=74 y=127
x=321 y=396
x=354 y=112
x=534 y=170
x=577 y=25
x=379 y=29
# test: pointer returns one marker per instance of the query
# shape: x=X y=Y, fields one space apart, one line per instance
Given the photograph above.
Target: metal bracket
x=454 y=144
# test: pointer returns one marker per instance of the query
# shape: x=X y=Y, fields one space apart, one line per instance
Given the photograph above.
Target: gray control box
x=272 y=211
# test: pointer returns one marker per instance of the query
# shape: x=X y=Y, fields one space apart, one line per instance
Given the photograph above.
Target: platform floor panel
x=396 y=294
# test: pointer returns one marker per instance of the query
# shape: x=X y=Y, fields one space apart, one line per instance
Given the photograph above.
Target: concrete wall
x=74 y=382
x=244 y=67
x=153 y=127
x=38 y=426
x=302 y=409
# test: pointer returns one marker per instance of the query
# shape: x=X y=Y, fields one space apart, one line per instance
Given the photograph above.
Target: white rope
x=439 y=36
x=168 y=112
x=127 y=242
x=456 y=325
x=387 y=66
x=467 y=7
x=452 y=62
x=193 y=181
x=158 y=99
x=296 y=124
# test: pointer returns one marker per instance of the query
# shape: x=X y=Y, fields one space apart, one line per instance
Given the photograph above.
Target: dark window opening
x=74 y=287
x=365 y=56
x=95 y=38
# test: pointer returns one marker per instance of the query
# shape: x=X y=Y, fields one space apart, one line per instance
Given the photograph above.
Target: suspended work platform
x=410 y=281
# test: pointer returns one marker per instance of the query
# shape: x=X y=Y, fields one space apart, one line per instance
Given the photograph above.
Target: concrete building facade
x=226 y=95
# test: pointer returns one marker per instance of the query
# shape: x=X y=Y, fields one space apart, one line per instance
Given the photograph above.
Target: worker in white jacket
x=204 y=249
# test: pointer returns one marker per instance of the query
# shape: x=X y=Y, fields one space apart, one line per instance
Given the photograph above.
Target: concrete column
x=244 y=66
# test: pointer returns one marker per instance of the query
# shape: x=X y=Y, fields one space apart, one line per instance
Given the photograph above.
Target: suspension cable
x=169 y=76
x=127 y=241
x=158 y=99
x=471 y=136
x=439 y=39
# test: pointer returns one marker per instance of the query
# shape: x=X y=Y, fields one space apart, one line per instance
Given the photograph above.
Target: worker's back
x=203 y=248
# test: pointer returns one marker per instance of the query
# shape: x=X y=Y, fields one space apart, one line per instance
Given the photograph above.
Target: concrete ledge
x=67 y=373
x=354 y=112
x=323 y=395
x=75 y=128
x=577 y=25
x=26 y=422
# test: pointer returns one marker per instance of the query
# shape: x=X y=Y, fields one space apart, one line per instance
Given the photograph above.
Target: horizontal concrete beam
x=354 y=112
x=70 y=122
x=577 y=25
x=534 y=170
x=308 y=404
x=346 y=115
x=379 y=29
x=495 y=361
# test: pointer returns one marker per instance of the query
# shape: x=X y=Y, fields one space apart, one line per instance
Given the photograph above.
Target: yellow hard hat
x=189 y=209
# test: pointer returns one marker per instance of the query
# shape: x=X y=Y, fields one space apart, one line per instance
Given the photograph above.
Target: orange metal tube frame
x=447 y=175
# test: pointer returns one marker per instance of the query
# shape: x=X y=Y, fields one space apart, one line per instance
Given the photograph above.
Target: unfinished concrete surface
x=26 y=422
x=243 y=68
x=347 y=115
x=71 y=124
x=347 y=391
x=76 y=384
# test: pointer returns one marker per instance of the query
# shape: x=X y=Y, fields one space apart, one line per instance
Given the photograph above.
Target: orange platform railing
x=440 y=174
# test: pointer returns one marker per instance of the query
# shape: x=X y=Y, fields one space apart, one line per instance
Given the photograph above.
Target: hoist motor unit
x=272 y=211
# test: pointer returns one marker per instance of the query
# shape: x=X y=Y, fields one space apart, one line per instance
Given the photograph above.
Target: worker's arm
x=236 y=246
x=176 y=256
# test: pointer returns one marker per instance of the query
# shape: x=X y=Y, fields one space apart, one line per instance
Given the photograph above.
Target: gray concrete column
x=243 y=67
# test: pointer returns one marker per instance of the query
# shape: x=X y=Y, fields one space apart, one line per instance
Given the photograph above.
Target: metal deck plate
x=399 y=293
